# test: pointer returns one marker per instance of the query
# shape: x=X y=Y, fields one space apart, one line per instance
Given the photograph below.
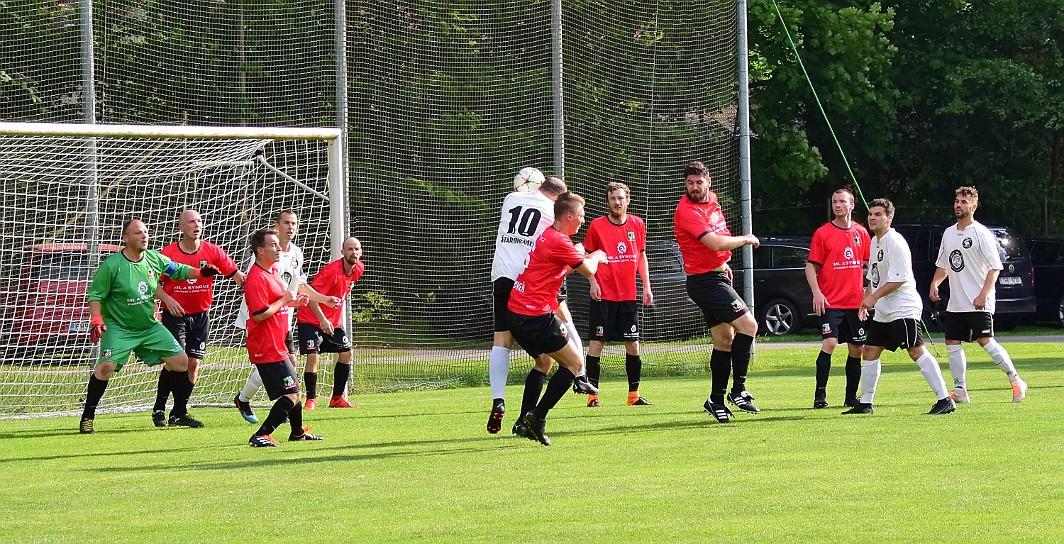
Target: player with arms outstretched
x=122 y=318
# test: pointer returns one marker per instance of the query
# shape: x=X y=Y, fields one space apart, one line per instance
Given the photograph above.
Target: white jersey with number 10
x=524 y=217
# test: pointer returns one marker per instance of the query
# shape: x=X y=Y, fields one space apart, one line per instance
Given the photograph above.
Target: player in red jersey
x=839 y=250
x=269 y=302
x=613 y=309
x=530 y=312
x=184 y=311
x=706 y=243
x=319 y=328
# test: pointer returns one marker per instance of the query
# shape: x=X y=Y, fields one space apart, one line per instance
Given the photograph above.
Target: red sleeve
x=324 y=279
x=641 y=235
x=256 y=293
x=866 y=245
x=688 y=220
x=817 y=249
x=221 y=260
x=360 y=268
x=591 y=240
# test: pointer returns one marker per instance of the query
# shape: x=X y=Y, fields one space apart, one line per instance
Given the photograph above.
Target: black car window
x=763 y=257
x=1044 y=253
x=1012 y=247
x=920 y=243
x=789 y=257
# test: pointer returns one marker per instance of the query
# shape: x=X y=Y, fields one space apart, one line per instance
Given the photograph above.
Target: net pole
x=559 y=104
x=339 y=195
x=744 y=148
x=88 y=94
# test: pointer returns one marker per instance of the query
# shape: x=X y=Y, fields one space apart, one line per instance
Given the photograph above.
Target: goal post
x=56 y=230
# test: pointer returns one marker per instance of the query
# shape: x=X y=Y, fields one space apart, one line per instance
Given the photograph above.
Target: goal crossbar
x=169 y=131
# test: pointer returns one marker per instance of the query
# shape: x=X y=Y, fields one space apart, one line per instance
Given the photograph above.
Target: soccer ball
x=528 y=179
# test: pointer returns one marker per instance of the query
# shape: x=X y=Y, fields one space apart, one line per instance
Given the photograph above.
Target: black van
x=1015 y=286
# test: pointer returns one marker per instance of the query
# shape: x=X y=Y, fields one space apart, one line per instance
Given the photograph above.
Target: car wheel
x=780 y=316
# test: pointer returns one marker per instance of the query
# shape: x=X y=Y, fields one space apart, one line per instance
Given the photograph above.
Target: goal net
x=67 y=189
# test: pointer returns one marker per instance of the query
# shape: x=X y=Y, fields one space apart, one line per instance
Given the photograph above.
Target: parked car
x=1047 y=255
x=1015 y=286
x=783 y=301
x=43 y=300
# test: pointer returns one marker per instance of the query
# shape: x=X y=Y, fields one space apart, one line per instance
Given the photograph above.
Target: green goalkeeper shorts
x=151 y=345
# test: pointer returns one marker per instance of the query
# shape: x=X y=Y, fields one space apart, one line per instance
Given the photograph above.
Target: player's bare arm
x=274 y=307
x=869 y=301
x=988 y=286
x=591 y=263
x=721 y=242
x=820 y=302
x=940 y=276
x=315 y=296
x=644 y=274
x=170 y=302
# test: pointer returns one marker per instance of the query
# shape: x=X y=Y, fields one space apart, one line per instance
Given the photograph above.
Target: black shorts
x=900 y=333
x=610 y=320
x=278 y=378
x=500 y=297
x=843 y=325
x=538 y=334
x=190 y=330
x=715 y=296
x=968 y=326
x=314 y=340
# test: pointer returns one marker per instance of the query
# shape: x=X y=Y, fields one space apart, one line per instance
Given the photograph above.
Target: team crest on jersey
x=142 y=287
x=848 y=253
x=286 y=278
x=631 y=236
x=202 y=263
x=880 y=257
x=967 y=242
x=151 y=274
x=106 y=353
x=715 y=216
x=956 y=260
x=622 y=248
x=856 y=240
x=873 y=275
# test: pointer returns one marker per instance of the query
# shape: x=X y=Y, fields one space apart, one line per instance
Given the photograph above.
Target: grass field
x=419 y=466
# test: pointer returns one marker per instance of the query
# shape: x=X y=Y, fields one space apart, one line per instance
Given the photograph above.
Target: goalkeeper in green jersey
x=122 y=312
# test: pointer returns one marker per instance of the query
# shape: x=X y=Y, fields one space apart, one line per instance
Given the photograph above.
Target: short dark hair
x=553 y=186
x=695 y=168
x=258 y=238
x=567 y=202
x=282 y=212
x=847 y=189
x=968 y=191
x=884 y=203
x=128 y=222
x=617 y=186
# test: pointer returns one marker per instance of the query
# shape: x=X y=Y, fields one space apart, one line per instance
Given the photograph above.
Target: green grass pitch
x=418 y=466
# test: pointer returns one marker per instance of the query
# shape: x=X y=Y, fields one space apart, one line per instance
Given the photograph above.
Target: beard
x=961 y=214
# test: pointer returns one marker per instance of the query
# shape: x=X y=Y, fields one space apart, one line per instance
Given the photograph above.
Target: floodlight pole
x=743 y=114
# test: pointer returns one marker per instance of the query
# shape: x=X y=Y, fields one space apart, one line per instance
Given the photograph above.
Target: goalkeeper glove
x=96 y=328
x=207 y=271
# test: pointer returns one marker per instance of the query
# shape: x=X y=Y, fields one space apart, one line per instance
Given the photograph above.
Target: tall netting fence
x=446 y=102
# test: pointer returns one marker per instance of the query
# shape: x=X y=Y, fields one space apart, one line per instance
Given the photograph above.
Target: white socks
x=1002 y=359
x=958 y=366
x=252 y=386
x=870 y=371
x=933 y=374
x=498 y=371
x=574 y=337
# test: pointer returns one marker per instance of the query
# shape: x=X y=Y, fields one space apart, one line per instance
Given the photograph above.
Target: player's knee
x=104 y=370
x=829 y=345
x=631 y=347
x=176 y=363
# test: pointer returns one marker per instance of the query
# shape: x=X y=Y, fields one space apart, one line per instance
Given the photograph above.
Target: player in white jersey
x=295 y=279
x=524 y=216
x=970 y=258
x=892 y=293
